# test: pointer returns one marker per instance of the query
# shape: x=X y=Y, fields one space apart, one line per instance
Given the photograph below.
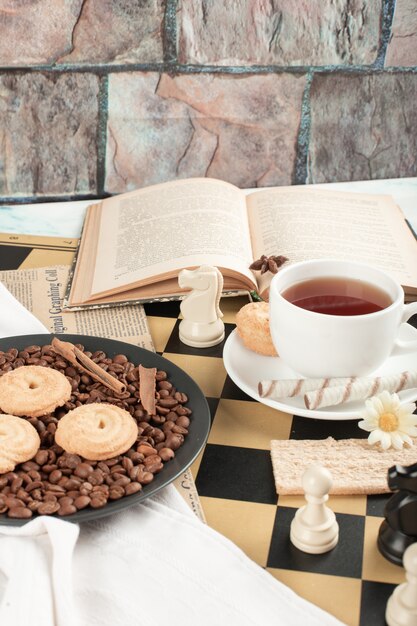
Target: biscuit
x=252 y=323
x=33 y=391
x=96 y=431
x=356 y=467
x=19 y=442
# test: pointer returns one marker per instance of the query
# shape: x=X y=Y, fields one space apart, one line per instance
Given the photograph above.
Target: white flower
x=388 y=421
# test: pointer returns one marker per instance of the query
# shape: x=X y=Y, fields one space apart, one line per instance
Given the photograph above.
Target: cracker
x=19 y=442
x=356 y=467
x=252 y=323
x=33 y=391
x=96 y=431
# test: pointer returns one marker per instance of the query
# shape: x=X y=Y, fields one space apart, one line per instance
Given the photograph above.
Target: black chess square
x=344 y=560
x=176 y=346
x=236 y=473
x=11 y=257
x=375 y=504
x=163 y=309
x=233 y=392
x=306 y=428
x=374 y=600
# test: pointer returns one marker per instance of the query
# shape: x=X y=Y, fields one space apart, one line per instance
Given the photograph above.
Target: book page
x=156 y=231
x=309 y=223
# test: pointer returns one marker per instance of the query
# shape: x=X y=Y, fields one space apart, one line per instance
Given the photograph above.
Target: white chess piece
x=314 y=528
x=201 y=326
x=402 y=605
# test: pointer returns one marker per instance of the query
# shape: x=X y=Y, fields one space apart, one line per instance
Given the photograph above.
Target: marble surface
x=65 y=219
x=53 y=219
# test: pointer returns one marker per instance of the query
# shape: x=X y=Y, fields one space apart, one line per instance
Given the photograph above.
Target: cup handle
x=402 y=347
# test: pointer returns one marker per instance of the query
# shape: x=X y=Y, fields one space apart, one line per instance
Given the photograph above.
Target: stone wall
x=103 y=96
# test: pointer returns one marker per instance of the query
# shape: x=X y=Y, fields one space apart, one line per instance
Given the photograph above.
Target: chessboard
x=235 y=483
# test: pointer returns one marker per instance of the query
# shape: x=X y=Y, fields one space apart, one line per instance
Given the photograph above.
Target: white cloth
x=154 y=563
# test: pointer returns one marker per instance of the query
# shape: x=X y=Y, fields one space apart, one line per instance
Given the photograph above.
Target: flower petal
x=387 y=400
x=374 y=437
x=385 y=440
x=397 y=441
x=410 y=407
x=407 y=439
x=378 y=405
x=365 y=425
x=410 y=430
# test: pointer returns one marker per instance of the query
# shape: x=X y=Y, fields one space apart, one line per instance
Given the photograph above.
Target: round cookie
x=96 y=431
x=33 y=391
x=252 y=323
x=19 y=442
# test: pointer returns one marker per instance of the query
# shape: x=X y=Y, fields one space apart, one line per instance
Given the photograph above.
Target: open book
x=133 y=245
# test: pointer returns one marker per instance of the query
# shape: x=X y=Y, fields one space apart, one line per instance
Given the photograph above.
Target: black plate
x=184 y=456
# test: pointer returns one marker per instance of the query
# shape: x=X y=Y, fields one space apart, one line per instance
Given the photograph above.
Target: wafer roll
x=360 y=389
x=290 y=387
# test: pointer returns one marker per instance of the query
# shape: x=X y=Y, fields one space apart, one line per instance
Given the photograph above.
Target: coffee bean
x=164 y=384
x=168 y=402
x=98 y=500
x=132 y=488
x=166 y=454
x=73 y=493
x=48 y=508
x=127 y=464
x=30 y=465
x=174 y=441
x=16 y=484
x=49 y=497
x=66 y=509
x=96 y=477
x=183 y=421
x=120 y=359
x=32 y=349
x=73 y=483
x=19 y=512
x=83 y=470
x=116 y=492
x=41 y=457
x=65 y=500
x=55 y=476
x=36 y=484
x=145 y=478
x=146 y=450
x=81 y=502
x=124 y=480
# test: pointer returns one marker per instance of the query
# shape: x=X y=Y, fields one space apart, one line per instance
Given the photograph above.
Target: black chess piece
x=399 y=529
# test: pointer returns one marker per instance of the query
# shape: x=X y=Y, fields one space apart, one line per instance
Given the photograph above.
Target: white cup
x=321 y=345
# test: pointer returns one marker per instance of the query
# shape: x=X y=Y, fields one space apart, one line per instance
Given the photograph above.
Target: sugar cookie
x=252 y=323
x=96 y=431
x=19 y=442
x=33 y=391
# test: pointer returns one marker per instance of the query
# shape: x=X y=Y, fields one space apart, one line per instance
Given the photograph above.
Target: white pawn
x=402 y=604
x=314 y=528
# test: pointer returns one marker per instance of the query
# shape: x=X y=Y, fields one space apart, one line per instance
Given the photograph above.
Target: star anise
x=268 y=263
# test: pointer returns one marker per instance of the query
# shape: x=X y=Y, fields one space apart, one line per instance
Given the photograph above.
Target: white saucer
x=246 y=369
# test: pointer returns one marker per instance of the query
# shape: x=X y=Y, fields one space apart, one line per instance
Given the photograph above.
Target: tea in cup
x=333 y=318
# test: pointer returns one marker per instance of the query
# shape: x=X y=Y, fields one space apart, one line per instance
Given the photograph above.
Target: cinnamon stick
x=147 y=383
x=80 y=360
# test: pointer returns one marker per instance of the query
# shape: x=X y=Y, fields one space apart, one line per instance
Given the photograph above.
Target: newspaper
x=41 y=291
